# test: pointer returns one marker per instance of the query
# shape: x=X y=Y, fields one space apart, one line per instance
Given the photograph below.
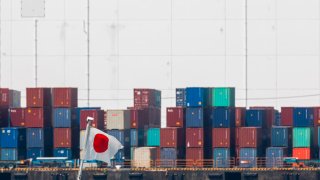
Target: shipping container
x=197 y=96
x=4 y=117
x=240 y=116
x=17 y=117
x=277 y=120
x=281 y=136
x=172 y=137
x=137 y=119
x=269 y=114
x=38 y=117
x=38 y=152
x=78 y=112
x=301 y=153
x=194 y=137
x=223 y=137
x=316 y=116
x=223 y=117
x=249 y=137
x=302 y=137
x=274 y=156
x=181 y=97
x=303 y=117
x=117 y=119
x=194 y=117
x=123 y=136
x=223 y=97
x=96 y=114
x=10 y=98
x=38 y=97
x=153 y=137
x=256 y=118
x=64 y=118
x=286 y=116
x=144 y=98
x=221 y=158
x=13 y=138
x=65 y=97
x=137 y=137
x=248 y=157
x=196 y=156
x=63 y=152
x=170 y=156
x=65 y=137
x=176 y=117
x=144 y=157
x=13 y=154
x=39 y=138
x=147 y=117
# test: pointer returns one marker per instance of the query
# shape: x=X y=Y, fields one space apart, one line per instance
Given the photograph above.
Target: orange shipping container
x=301 y=153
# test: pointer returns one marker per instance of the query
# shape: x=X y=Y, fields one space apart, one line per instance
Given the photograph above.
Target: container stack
x=38 y=123
x=65 y=125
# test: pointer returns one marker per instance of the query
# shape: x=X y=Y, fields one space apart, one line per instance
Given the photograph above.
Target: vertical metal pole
x=0 y=44
x=36 y=53
x=246 y=49
x=88 y=53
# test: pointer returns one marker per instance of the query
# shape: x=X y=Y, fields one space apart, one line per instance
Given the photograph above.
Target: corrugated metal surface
x=301 y=153
x=181 y=97
x=302 y=137
x=221 y=157
x=62 y=152
x=316 y=116
x=194 y=155
x=39 y=137
x=168 y=156
x=36 y=152
x=274 y=156
x=137 y=118
x=269 y=114
x=303 y=117
x=194 y=137
x=137 y=137
x=255 y=118
x=281 y=136
x=240 y=116
x=96 y=114
x=117 y=119
x=176 y=117
x=249 y=137
x=64 y=118
x=153 y=137
x=13 y=138
x=223 y=117
x=78 y=113
x=248 y=157
x=38 y=117
x=9 y=98
x=4 y=117
x=223 y=97
x=144 y=156
x=197 y=96
x=12 y=154
x=65 y=97
x=194 y=117
x=123 y=136
x=38 y=97
x=63 y=138
x=286 y=116
x=222 y=137
x=144 y=98
x=172 y=137
x=17 y=117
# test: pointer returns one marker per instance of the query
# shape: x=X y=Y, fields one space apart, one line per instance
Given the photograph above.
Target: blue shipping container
x=197 y=97
x=169 y=156
x=64 y=118
x=221 y=157
x=277 y=120
x=63 y=152
x=303 y=117
x=39 y=137
x=248 y=157
x=12 y=154
x=223 y=117
x=181 y=97
x=280 y=136
x=35 y=152
x=255 y=118
x=137 y=137
x=13 y=138
x=123 y=136
x=194 y=117
x=274 y=156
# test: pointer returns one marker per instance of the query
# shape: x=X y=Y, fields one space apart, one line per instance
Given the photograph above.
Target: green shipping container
x=302 y=137
x=222 y=97
x=153 y=137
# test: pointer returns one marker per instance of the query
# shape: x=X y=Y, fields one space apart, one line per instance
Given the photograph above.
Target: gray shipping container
x=117 y=119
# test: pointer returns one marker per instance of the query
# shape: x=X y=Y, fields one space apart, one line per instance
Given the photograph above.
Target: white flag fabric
x=101 y=146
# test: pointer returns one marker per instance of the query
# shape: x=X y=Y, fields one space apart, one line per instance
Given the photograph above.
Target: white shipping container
x=144 y=156
x=117 y=119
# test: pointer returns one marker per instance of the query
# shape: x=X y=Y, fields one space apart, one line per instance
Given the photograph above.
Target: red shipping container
x=316 y=116
x=237 y=136
x=194 y=137
x=270 y=114
x=144 y=98
x=222 y=137
x=9 y=98
x=286 y=116
x=38 y=117
x=96 y=114
x=65 y=97
x=301 y=153
x=62 y=138
x=138 y=121
x=38 y=97
x=147 y=117
x=249 y=137
x=194 y=157
x=240 y=116
x=176 y=117
x=172 y=137
x=17 y=117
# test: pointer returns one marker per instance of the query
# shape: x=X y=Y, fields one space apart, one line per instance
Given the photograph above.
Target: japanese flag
x=101 y=146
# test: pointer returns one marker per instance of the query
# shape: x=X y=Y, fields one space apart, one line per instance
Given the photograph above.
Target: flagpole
x=89 y=119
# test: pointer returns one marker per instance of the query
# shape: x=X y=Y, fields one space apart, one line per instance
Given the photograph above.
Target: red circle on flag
x=100 y=143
